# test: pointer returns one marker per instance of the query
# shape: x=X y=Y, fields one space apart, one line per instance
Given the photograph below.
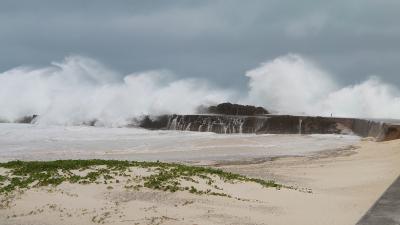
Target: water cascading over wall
x=217 y=124
x=381 y=130
x=274 y=124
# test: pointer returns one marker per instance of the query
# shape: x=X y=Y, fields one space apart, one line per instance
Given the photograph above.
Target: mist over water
x=80 y=89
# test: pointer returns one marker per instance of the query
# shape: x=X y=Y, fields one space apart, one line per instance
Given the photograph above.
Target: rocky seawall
x=274 y=124
x=228 y=118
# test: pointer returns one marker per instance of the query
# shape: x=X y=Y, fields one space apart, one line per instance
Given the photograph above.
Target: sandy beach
x=331 y=187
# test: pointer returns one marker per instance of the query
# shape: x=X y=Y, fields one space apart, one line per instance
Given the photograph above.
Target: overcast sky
x=214 y=40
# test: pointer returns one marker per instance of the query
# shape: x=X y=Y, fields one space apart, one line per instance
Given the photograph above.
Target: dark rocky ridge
x=228 y=108
x=274 y=124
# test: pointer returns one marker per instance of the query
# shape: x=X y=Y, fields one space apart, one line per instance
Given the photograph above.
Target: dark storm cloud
x=215 y=40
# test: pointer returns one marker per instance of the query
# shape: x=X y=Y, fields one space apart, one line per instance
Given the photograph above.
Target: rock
x=236 y=109
x=154 y=122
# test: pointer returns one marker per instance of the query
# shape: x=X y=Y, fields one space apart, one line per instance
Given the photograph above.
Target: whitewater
x=50 y=142
x=81 y=89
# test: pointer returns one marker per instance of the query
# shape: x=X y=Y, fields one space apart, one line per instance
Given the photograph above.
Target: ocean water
x=43 y=142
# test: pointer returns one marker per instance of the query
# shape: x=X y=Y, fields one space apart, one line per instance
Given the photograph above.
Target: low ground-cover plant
x=163 y=176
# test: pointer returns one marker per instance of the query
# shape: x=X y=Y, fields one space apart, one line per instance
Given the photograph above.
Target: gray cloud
x=215 y=40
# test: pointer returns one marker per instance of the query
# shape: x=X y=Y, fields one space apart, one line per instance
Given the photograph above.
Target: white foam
x=42 y=142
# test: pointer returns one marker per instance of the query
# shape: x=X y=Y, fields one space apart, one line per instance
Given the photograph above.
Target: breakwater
x=274 y=124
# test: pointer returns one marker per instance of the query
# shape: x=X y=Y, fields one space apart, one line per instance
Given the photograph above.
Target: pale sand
x=344 y=185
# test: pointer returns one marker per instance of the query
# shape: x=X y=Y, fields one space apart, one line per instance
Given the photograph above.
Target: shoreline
x=346 y=150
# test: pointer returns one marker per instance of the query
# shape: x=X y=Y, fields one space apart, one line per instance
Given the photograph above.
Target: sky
x=213 y=40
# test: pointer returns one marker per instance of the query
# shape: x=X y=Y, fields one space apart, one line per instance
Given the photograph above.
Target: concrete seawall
x=275 y=124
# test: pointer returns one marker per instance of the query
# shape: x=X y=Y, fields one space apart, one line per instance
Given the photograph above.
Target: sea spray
x=293 y=84
x=79 y=89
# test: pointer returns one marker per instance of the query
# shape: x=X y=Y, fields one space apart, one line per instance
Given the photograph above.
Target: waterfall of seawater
x=188 y=127
x=300 y=123
x=172 y=126
x=225 y=124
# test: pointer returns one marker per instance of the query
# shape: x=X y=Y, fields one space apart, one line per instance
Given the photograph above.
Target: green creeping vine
x=163 y=176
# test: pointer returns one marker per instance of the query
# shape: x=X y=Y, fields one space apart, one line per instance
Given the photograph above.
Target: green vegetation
x=161 y=176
